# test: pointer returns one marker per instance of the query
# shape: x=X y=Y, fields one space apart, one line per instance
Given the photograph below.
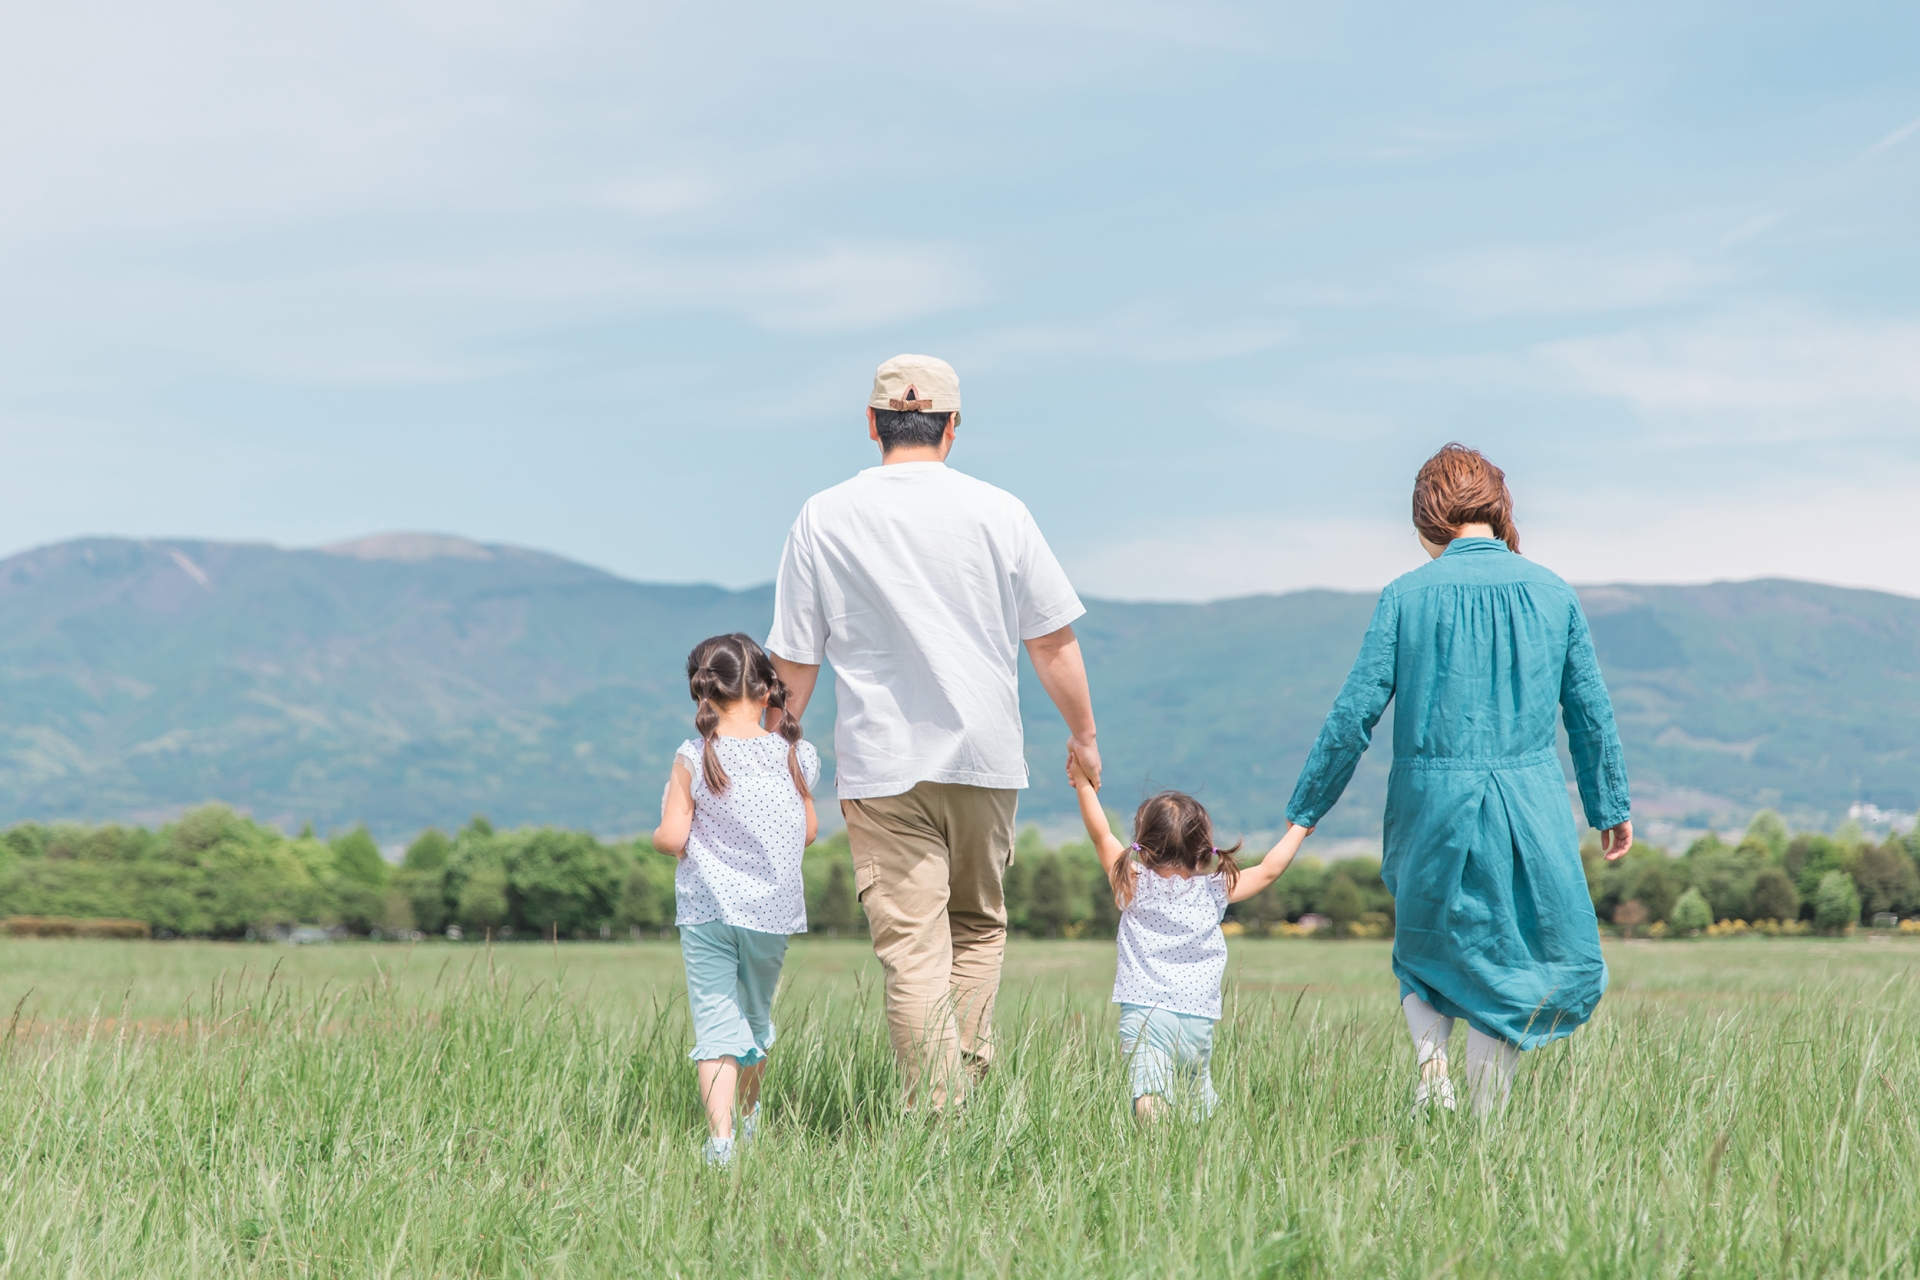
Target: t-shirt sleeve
x=1218 y=884
x=1045 y=599
x=799 y=609
x=809 y=764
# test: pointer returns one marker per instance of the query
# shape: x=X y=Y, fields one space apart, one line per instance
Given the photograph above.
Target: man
x=920 y=584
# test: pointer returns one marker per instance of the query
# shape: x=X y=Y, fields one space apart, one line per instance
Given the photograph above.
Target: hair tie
x=1134 y=848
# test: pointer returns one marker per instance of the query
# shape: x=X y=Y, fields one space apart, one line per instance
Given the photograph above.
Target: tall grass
x=465 y=1118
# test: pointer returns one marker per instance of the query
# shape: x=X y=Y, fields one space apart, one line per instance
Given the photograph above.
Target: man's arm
x=799 y=677
x=1063 y=674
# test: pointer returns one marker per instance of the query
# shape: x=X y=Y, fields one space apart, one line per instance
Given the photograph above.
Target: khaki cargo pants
x=928 y=867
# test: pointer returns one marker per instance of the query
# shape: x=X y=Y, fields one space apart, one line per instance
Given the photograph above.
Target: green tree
x=640 y=905
x=1341 y=902
x=1049 y=909
x=565 y=881
x=1886 y=879
x=834 y=915
x=1657 y=885
x=1690 y=912
x=1103 y=914
x=356 y=857
x=1768 y=831
x=428 y=852
x=1836 y=903
x=483 y=900
x=1017 y=890
x=1774 y=897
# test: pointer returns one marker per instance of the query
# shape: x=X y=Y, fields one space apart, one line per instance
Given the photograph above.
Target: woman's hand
x=1615 y=841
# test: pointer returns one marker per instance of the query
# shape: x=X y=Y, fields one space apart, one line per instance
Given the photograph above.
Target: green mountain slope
x=409 y=680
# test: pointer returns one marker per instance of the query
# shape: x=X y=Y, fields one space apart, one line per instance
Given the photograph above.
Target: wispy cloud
x=1567 y=279
x=1153 y=332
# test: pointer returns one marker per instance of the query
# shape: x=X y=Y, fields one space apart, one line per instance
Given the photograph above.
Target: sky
x=611 y=280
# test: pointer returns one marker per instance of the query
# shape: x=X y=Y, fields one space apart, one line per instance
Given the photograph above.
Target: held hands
x=1083 y=762
x=1615 y=841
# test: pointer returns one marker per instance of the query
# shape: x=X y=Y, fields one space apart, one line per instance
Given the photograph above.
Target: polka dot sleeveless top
x=1172 y=953
x=743 y=851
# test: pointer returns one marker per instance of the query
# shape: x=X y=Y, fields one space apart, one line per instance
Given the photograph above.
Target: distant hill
x=410 y=680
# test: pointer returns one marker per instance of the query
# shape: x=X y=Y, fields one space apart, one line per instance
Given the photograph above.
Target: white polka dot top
x=743 y=851
x=1172 y=953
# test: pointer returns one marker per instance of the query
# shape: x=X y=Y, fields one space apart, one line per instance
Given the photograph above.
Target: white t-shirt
x=919 y=584
x=742 y=864
x=1172 y=953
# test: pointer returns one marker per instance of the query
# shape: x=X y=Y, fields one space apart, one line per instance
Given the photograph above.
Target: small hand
x=1075 y=774
x=1087 y=756
x=1615 y=841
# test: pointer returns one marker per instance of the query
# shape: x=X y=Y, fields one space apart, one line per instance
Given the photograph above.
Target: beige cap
x=924 y=383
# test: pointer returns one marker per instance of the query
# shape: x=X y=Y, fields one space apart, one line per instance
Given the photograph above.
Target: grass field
x=174 y=1109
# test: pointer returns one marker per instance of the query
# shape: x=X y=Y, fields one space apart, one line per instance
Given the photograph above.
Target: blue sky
x=611 y=280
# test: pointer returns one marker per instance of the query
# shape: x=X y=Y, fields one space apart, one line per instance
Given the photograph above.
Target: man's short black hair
x=904 y=428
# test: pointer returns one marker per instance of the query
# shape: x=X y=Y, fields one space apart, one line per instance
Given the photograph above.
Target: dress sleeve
x=1599 y=765
x=1348 y=729
x=799 y=609
x=809 y=763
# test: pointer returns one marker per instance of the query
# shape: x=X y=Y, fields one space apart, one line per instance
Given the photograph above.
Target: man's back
x=918 y=584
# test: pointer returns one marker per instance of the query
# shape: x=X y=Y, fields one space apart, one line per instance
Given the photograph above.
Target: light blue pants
x=731 y=976
x=1168 y=1054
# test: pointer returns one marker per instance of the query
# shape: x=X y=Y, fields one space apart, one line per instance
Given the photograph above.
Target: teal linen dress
x=1492 y=918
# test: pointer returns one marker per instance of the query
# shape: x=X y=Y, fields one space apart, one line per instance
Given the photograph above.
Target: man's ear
x=873 y=426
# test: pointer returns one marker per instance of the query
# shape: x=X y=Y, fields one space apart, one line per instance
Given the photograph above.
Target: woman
x=1492 y=919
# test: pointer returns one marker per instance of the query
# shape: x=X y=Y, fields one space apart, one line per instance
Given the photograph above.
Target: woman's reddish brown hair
x=1459 y=486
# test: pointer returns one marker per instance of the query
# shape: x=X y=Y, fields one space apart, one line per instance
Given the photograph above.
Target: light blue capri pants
x=1168 y=1054
x=731 y=976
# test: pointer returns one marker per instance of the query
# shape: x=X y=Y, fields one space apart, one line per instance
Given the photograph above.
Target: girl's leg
x=758 y=976
x=749 y=1094
x=719 y=1078
x=1490 y=1066
x=1431 y=1030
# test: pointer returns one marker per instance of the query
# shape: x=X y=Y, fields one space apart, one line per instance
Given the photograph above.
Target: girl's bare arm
x=813 y=821
x=1104 y=843
x=1256 y=878
x=676 y=812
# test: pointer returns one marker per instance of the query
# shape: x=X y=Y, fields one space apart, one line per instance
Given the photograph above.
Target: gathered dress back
x=1481 y=652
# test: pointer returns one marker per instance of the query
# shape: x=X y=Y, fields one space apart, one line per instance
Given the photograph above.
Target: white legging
x=1490 y=1061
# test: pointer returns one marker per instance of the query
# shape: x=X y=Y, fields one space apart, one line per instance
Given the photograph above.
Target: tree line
x=216 y=873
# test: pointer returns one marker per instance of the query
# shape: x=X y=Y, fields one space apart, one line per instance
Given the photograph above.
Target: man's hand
x=1083 y=758
x=1615 y=841
x=1063 y=674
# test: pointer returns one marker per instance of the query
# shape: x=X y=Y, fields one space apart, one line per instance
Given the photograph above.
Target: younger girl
x=1172 y=953
x=738 y=812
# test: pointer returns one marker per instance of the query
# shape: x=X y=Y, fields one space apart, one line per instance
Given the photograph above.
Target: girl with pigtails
x=738 y=813
x=1172 y=886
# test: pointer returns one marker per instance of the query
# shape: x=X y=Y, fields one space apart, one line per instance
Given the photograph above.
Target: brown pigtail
x=705 y=721
x=789 y=727
x=1122 y=879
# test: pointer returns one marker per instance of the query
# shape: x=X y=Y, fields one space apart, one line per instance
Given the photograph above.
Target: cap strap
x=911 y=406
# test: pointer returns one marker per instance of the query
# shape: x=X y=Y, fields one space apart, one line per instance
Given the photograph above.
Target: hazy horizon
x=337 y=548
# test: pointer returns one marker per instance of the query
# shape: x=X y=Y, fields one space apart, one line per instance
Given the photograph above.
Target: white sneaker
x=748 y=1125
x=718 y=1152
x=1439 y=1093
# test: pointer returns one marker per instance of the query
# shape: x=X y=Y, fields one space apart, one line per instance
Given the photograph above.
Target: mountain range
x=409 y=680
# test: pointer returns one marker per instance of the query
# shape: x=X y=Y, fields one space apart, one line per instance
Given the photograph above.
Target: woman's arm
x=676 y=812
x=1256 y=878
x=1348 y=730
x=1599 y=765
x=1094 y=817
